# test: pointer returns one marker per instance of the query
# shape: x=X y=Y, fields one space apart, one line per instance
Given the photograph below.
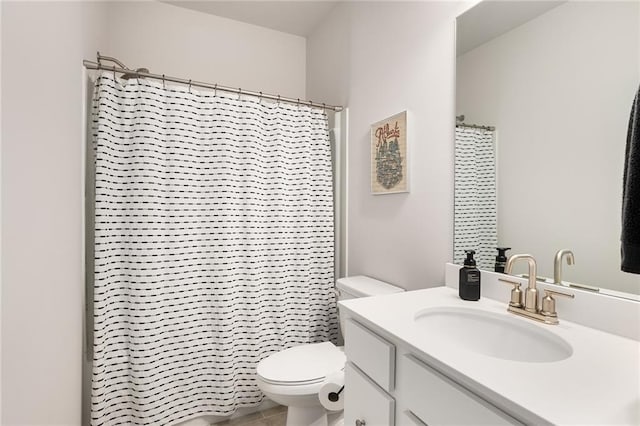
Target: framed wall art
x=389 y=174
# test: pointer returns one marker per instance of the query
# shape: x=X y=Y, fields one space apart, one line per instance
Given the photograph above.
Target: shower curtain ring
x=114 y=73
x=260 y=101
x=239 y=92
x=278 y=100
x=215 y=90
x=163 y=86
x=189 y=86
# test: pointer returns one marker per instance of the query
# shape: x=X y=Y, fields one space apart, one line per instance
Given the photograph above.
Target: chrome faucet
x=531 y=293
x=530 y=308
x=557 y=264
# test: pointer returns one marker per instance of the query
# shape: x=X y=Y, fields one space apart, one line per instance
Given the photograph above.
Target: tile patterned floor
x=276 y=416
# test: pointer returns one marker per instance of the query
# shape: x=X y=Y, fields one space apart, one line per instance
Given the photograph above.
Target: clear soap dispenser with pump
x=469 y=284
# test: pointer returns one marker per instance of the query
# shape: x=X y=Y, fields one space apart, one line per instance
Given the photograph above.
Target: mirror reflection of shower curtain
x=475 y=196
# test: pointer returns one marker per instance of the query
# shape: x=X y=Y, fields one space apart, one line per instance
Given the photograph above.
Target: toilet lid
x=307 y=363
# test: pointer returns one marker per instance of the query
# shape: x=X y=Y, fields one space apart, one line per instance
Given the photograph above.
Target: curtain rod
x=144 y=73
x=476 y=126
x=459 y=123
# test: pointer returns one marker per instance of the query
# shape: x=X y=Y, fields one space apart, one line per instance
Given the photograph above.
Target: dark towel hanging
x=630 y=239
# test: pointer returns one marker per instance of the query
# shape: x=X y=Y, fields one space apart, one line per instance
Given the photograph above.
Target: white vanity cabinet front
x=386 y=385
x=369 y=377
x=365 y=402
x=428 y=397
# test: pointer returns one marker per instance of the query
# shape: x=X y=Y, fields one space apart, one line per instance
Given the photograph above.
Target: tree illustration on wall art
x=389 y=172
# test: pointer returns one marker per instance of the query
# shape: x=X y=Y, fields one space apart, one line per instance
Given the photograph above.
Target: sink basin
x=492 y=334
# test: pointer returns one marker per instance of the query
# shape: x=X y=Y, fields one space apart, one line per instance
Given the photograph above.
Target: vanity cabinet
x=431 y=398
x=370 y=374
x=374 y=355
x=365 y=402
x=388 y=385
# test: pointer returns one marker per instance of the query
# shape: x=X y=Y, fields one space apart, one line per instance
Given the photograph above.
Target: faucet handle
x=549 y=303
x=516 y=293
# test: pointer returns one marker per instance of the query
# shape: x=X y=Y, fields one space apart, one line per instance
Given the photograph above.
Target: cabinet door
x=411 y=419
x=437 y=400
x=365 y=403
x=371 y=353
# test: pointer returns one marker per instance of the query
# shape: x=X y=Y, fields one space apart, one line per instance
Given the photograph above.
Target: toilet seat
x=302 y=365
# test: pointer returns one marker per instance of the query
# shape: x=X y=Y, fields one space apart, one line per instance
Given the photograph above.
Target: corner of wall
x=1 y=275
x=327 y=61
x=41 y=169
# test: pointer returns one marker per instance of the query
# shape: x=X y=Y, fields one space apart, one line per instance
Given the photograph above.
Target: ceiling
x=299 y=17
x=489 y=19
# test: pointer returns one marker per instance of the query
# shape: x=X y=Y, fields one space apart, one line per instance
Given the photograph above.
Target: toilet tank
x=361 y=286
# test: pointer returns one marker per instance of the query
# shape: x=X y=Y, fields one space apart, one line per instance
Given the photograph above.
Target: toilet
x=294 y=376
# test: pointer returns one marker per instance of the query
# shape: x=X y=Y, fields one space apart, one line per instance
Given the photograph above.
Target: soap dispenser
x=501 y=259
x=469 y=284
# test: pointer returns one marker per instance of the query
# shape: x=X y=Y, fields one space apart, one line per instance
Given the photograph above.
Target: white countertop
x=598 y=384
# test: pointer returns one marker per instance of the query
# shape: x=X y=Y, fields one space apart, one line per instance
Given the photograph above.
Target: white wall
x=43 y=44
x=184 y=43
x=382 y=58
x=328 y=58
x=1 y=274
x=559 y=90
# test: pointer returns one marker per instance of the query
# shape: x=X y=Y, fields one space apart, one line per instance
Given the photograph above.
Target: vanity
x=427 y=357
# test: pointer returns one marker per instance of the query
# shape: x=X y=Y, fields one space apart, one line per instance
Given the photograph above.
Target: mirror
x=556 y=80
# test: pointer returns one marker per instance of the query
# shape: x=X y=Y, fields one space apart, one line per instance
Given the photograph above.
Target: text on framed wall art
x=389 y=172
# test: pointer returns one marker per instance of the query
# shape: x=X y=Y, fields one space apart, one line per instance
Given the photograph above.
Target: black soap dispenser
x=469 y=284
x=501 y=259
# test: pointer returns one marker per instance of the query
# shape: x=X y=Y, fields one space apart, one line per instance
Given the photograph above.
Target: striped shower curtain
x=214 y=247
x=475 y=196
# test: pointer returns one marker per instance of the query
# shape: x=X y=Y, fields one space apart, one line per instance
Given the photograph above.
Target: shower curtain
x=475 y=196
x=214 y=246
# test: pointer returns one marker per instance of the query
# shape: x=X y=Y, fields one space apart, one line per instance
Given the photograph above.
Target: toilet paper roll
x=331 y=392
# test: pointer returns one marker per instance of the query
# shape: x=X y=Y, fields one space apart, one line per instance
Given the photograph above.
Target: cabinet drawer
x=371 y=353
x=365 y=401
x=437 y=400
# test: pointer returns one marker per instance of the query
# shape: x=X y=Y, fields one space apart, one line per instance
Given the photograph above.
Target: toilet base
x=313 y=416
x=308 y=416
